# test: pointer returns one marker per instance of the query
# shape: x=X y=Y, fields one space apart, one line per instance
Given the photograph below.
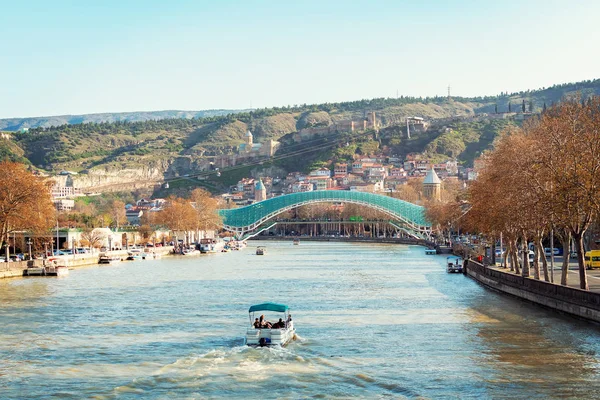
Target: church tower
x=260 y=191
x=432 y=186
x=249 y=142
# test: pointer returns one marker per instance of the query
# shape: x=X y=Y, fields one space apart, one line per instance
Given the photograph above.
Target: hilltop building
x=252 y=150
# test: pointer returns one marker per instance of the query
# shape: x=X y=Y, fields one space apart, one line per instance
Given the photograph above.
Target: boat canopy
x=269 y=307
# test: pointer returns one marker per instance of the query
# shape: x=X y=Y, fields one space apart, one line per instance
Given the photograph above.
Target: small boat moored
x=430 y=252
x=136 y=254
x=211 y=245
x=105 y=259
x=278 y=333
x=190 y=252
x=454 y=264
x=261 y=250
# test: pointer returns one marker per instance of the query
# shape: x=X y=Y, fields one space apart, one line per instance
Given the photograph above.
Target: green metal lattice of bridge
x=250 y=219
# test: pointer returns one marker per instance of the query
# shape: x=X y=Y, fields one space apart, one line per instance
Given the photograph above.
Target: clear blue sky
x=85 y=56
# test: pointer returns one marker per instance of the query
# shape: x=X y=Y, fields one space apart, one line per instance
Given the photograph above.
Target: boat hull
x=270 y=337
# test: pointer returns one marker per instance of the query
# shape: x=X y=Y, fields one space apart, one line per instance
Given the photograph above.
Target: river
x=373 y=321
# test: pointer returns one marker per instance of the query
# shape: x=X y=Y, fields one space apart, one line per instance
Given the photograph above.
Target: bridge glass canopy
x=249 y=215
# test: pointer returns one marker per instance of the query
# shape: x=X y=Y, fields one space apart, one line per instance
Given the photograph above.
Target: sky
x=75 y=57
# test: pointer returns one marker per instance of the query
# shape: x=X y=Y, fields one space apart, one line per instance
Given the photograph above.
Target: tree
x=24 y=202
x=206 y=207
x=116 y=211
x=178 y=215
x=570 y=135
x=92 y=238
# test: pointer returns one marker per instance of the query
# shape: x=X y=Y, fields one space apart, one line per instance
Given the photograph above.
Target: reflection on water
x=372 y=320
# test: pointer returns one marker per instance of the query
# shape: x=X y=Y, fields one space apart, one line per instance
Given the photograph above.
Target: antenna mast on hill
x=448 y=92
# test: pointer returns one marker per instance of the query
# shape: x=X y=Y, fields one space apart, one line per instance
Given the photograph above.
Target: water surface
x=373 y=321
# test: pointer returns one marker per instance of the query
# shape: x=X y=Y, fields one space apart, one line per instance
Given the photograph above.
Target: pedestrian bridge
x=244 y=220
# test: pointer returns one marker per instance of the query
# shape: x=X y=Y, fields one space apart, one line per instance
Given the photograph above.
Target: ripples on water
x=373 y=321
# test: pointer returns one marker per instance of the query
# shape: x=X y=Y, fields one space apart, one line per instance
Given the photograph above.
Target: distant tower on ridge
x=249 y=141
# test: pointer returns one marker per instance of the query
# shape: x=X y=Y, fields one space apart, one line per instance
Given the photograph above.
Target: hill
x=118 y=153
x=15 y=124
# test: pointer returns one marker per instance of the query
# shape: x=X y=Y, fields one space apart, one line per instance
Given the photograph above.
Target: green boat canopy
x=269 y=307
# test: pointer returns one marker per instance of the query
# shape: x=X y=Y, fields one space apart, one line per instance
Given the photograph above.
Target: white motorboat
x=277 y=333
x=211 y=245
x=105 y=259
x=136 y=254
x=190 y=252
x=57 y=266
x=454 y=264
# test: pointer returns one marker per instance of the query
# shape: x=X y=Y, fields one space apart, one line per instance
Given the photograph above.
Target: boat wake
x=240 y=371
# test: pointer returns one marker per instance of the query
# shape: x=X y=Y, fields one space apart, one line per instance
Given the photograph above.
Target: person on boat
x=279 y=324
x=264 y=323
x=256 y=323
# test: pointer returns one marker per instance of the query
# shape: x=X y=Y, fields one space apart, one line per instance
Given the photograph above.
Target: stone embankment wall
x=15 y=269
x=576 y=302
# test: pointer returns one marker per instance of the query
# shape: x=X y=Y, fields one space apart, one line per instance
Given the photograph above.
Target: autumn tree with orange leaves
x=541 y=177
x=25 y=203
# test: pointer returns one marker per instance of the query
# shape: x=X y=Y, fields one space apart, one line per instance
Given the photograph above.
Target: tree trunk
x=583 y=284
x=514 y=258
x=540 y=248
x=564 y=270
x=536 y=261
x=525 y=272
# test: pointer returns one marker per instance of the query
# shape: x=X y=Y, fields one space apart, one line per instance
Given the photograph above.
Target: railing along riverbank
x=577 y=302
x=16 y=269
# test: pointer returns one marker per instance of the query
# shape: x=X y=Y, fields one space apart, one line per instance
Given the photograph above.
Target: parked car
x=556 y=251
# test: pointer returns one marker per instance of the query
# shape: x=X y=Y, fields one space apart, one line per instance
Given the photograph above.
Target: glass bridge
x=244 y=220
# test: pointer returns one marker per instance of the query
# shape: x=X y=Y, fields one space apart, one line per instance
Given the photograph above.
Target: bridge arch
x=246 y=219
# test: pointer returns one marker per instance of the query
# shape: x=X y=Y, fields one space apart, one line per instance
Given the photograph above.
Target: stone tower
x=371 y=120
x=260 y=191
x=432 y=186
x=249 y=141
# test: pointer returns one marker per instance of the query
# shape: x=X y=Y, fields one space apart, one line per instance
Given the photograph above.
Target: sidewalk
x=593 y=275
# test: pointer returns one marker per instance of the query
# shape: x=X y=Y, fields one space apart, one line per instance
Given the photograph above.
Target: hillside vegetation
x=180 y=143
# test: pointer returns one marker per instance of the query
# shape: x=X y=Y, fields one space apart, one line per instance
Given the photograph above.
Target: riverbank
x=577 y=302
x=388 y=240
x=15 y=269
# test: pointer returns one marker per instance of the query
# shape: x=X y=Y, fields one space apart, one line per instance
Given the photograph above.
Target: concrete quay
x=15 y=269
x=567 y=299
